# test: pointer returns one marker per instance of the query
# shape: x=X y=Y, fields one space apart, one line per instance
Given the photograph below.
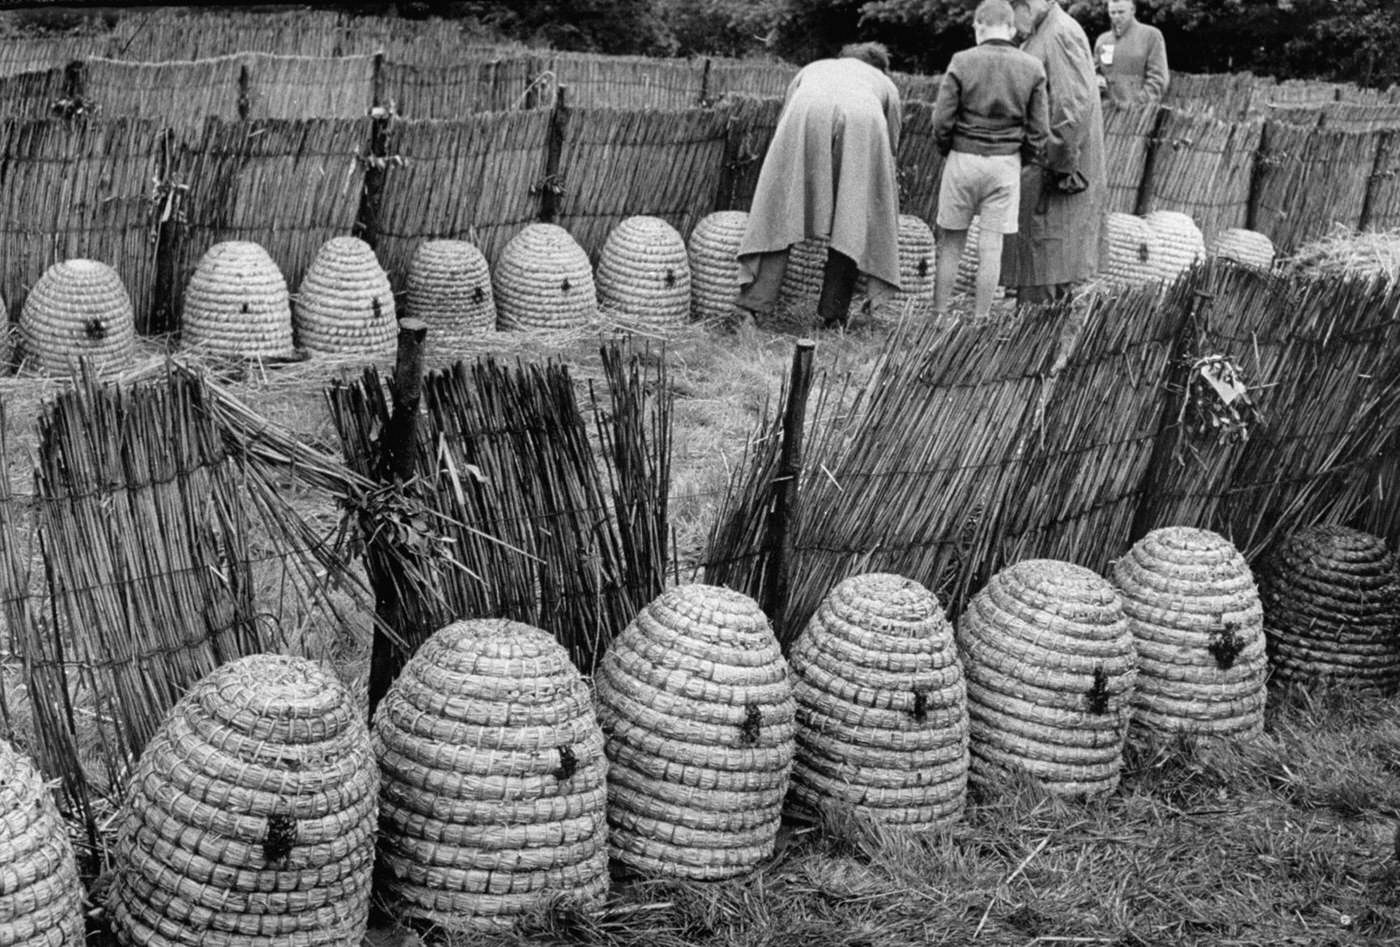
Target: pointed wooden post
x=778 y=541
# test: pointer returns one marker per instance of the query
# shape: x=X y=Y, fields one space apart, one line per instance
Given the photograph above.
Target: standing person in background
x=829 y=172
x=1131 y=58
x=1063 y=198
x=989 y=115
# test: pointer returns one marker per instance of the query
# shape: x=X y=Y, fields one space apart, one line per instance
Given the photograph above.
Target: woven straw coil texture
x=493 y=800
x=802 y=279
x=41 y=899
x=644 y=273
x=1198 y=628
x=345 y=305
x=698 y=713
x=917 y=268
x=543 y=280
x=1246 y=247
x=1050 y=665
x=881 y=704
x=1133 y=250
x=966 y=282
x=236 y=304
x=449 y=288
x=250 y=819
x=1332 y=608
x=78 y=309
x=1179 y=241
x=714 y=264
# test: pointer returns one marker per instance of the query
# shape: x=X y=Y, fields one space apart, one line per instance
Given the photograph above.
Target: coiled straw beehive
x=881 y=704
x=697 y=710
x=1049 y=661
x=1332 y=609
x=714 y=263
x=1179 y=242
x=802 y=279
x=917 y=271
x=543 y=280
x=493 y=798
x=250 y=818
x=1198 y=627
x=1133 y=250
x=41 y=899
x=1246 y=247
x=644 y=273
x=969 y=261
x=236 y=304
x=345 y=305
x=449 y=288
x=78 y=309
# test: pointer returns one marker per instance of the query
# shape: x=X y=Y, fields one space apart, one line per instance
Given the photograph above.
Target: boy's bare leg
x=946 y=257
x=988 y=272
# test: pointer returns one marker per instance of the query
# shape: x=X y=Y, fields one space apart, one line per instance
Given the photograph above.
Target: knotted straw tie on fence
x=695 y=703
x=493 y=799
x=1134 y=250
x=1180 y=243
x=1050 y=665
x=41 y=899
x=1332 y=609
x=1199 y=632
x=881 y=704
x=714 y=265
x=449 y=288
x=236 y=304
x=345 y=305
x=1245 y=247
x=644 y=274
x=78 y=309
x=543 y=280
x=250 y=818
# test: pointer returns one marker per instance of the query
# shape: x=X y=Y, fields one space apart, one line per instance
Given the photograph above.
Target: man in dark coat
x=1131 y=57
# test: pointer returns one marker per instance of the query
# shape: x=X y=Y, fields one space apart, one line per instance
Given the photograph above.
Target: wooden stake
x=778 y=542
x=162 y=315
x=552 y=187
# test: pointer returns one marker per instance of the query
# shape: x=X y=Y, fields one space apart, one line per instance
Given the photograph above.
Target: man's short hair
x=872 y=54
x=994 y=13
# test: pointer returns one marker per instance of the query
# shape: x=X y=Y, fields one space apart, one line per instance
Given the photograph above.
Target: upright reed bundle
x=1203 y=165
x=644 y=274
x=41 y=899
x=1127 y=142
x=78 y=309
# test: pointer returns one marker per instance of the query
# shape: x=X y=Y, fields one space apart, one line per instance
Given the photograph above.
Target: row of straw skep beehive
x=494 y=780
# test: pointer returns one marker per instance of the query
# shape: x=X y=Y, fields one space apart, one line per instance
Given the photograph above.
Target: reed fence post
x=777 y=541
x=1389 y=141
x=397 y=463
x=168 y=194
x=74 y=86
x=1154 y=134
x=552 y=187
x=367 y=220
x=705 y=84
x=245 y=98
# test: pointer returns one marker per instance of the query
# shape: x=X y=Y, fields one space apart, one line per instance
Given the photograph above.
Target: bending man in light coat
x=829 y=173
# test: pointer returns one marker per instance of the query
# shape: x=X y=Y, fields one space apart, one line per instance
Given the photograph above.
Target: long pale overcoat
x=1059 y=239
x=830 y=170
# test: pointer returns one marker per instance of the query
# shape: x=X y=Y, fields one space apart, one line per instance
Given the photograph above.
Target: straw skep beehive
x=543 y=280
x=968 y=263
x=917 y=269
x=1049 y=661
x=802 y=279
x=881 y=704
x=250 y=817
x=1198 y=628
x=1133 y=249
x=449 y=288
x=698 y=713
x=1179 y=242
x=345 y=305
x=493 y=800
x=1332 y=609
x=78 y=309
x=41 y=899
x=714 y=263
x=236 y=304
x=644 y=273
x=1245 y=247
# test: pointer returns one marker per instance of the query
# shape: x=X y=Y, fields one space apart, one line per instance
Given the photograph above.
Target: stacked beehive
x=41 y=899
x=644 y=274
x=543 y=280
x=345 y=305
x=1133 y=250
x=449 y=288
x=493 y=799
x=236 y=304
x=1245 y=247
x=697 y=710
x=78 y=309
x=714 y=263
x=1179 y=241
x=881 y=704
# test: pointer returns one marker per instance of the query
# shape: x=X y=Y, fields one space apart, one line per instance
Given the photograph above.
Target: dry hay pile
x=1345 y=252
x=41 y=900
x=644 y=274
x=236 y=304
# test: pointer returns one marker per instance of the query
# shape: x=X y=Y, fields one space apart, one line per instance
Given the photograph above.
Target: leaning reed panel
x=287 y=185
x=1126 y=134
x=457 y=90
x=172 y=93
x=1202 y=166
x=1383 y=198
x=1228 y=96
x=1302 y=93
x=37 y=53
x=617 y=164
x=31 y=95
x=78 y=190
x=751 y=77
x=1361 y=117
x=1309 y=180
x=919 y=164
x=203 y=34
x=303 y=87
x=629 y=82
x=472 y=179
x=915 y=87
x=751 y=124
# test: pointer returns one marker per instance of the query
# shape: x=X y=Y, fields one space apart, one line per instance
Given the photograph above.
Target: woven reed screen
x=1383 y=198
x=1228 y=96
x=1361 y=117
x=1301 y=93
x=472 y=179
x=749 y=77
x=616 y=164
x=77 y=190
x=300 y=87
x=628 y=82
x=918 y=164
x=174 y=94
x=36 y=53
x=1310 y=180
x=31 y=95
x=751 y=124
x=458 y=89
x=223 y=33
x=1202 y=166
x=916 y=88
x=1125 y=138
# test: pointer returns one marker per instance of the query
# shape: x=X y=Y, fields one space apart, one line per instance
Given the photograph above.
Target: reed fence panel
x=78 y=189
x=757 y=78
x=1361 y=117
x=475 y=179
x=38 y=53
x=1202 y=166
x=615 y=164
x=919 y=163
x=31 y=95
x=628 y=82
x=1304 y=116
x=1310 y=180
x=751 y=125
x=1383 y=198
x=1126 y=137
x=1301 y=93
x=173 y=94
x=307 y=87
x=1229 y=96
x=161 y=36
x=460 y=89
x=914 y=87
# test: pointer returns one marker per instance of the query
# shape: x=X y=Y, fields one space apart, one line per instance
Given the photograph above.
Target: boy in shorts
x=990 y=113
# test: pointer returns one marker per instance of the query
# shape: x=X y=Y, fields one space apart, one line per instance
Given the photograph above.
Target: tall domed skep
x=344 y=305
x=543 y=280
x=1133 y=250
x=1245 y=247
x=236 y=304
x=78 y=309
x=714 y=264
x=644 y=273
x=449 y=288
x=1180 y=243
x=41 y=898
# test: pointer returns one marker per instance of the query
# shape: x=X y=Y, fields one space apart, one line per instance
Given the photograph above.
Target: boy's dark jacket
x=992 y=101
